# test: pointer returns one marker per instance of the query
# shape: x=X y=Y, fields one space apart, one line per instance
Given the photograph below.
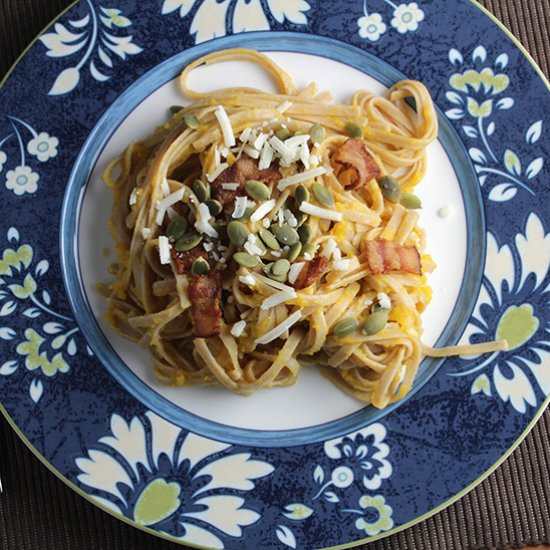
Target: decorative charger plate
x=302 y=467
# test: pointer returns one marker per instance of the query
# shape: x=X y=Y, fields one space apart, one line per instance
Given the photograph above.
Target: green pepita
x=317 y=133
x=237 y=232
x=308 y=249
x=257 y=190
x=375 y=322
x=192 y=121
x=294 y=252
x=285 y=234
x=390 y=188
x=302 y=218
x=202 y=190
x=280 y=267
x=322 y=194
x=268 y=271
x=304 y=233
x=345 y=327
x=176 y=109
x=200 y=267
x=410 y=201
x=187 y=242
x=301 y=194
x=282 y=133
x=354 y=130
x=246 y=260
x=176 y=228
x=269 y=239
x=215 y=207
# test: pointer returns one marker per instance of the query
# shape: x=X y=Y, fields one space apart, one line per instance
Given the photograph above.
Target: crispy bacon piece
x=205 y=292
x=312 y=270
x=243 y=170
x=353 y=165
x=385 y=256
x=184 y=260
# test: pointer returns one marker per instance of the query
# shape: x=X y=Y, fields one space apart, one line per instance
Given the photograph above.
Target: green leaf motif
x=482 y=384
x=15 y=259
x=28 y=288
x=297 y=511
x=480 y=111
x=486 y=78
x=39 y=360
x=517 y=326
x=157 y=501
x=512 y=162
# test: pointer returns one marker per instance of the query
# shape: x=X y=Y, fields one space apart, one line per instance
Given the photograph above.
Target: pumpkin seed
x=202 y=190
x=354 y=130
x=294 y=252
x=410 y=201
x=308 y=249
x=192 y=121
x=322 y=194
x=187 y=242
x=269 y=239
x=215 y=207
x=268 y=271
x=176 y=109
x=176 y=228
x=345 y=326
x=200 y=267
x=390 y=188
x=257 y=190
x=375 y=322
x=317 y=133
x=282 y=133
x=237 y=232
x=304 y=233
x=301 y=194
x=285 y=234
x=246 y=260
x=302 y=218
x=280 y=267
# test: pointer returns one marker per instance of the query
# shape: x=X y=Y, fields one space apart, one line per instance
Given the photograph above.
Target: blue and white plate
x=300 y=467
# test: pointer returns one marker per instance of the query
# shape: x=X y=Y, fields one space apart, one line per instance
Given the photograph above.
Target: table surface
x=510 y=509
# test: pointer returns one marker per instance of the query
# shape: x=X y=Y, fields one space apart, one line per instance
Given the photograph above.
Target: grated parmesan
x=302 y=176
x=280 y=329
x=312 y=210
x=278 y=298
x=384 y=300
x=341 y=265
x=168 y=201
x=164 y=250
x=266 y=157
x=247 y=280
x=145 y=232
x=264 y=209
x=225 y=125
x=238 y=328
x=202 y=225
x=251 y=152
x=230 y=186
x=251 y=247
x=133 y=197
x=295 y=270
x=259 y=141
x=240 y=207
x=271 y=282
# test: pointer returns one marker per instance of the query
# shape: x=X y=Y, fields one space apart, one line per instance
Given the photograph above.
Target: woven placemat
x=509 y=509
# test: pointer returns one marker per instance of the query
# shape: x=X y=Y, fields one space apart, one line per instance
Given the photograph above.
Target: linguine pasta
x=257 y=232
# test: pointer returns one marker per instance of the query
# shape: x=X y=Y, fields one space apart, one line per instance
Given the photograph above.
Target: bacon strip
x=205 y=293
x=184 y=260
x=243 y=170
x=312 y=270
x=385 y=256
x=353 y=165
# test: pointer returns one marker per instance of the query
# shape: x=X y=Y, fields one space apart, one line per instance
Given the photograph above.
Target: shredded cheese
x=230 y=186
x=238 y=328
x=341 y=265
x=271 y=282
x=213 y=175
x=168 y=201
x=133 y=197
x=302 y=176
x=278 y=298
x=251 y=247
x=202 y=225
x=225 y=125
x=295 y=270
x=164 y=250
x=266 y=158
x=312 y=210
x=251 y=152
x=264 y=209
x=146 y=232
x=384 y=300
x=280 y=329
x=240 y=207
x=247 y=280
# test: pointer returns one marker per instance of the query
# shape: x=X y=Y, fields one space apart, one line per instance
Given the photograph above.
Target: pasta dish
x=259 y=232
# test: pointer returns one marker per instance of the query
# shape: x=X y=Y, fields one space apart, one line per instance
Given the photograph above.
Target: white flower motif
x=43 y=147
x=363 y=450
x=3 y=159
x=22 y=180
x=406 y=17
x=372 y=27
x=148 y=472
x=512 y=302
x=114 y=17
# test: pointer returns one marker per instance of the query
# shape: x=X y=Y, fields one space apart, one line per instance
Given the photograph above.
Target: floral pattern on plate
x=185 y=485
x=513 y=300
x=405 y=18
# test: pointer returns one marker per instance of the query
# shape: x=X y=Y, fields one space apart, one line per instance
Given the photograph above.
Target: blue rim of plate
x=76 y=189
x=354 y=487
